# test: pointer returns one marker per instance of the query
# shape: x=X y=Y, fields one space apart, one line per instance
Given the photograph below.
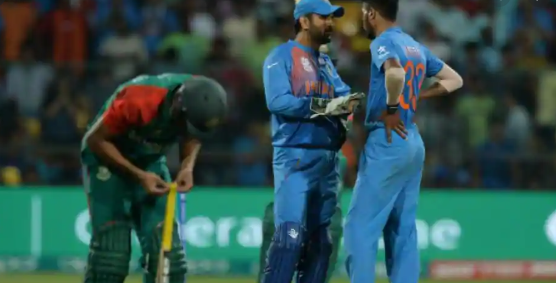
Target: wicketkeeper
x=307 y=100
x=125 y=173
x=336 y=229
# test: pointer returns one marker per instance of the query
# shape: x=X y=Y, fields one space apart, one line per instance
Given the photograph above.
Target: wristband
x=392 y=109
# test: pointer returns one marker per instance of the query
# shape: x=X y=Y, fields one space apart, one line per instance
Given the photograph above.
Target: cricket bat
x=163 y=269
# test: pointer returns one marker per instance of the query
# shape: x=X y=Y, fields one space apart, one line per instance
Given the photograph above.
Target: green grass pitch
x=68 y=278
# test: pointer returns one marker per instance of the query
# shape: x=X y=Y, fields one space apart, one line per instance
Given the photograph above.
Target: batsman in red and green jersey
x=125 y=173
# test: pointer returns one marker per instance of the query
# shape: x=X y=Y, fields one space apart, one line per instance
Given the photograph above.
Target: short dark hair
x=388 y=9
x=297 y=26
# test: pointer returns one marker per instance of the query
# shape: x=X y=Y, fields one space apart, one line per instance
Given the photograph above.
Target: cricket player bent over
x=336 y=230
x=125 y=172
x=387 y=189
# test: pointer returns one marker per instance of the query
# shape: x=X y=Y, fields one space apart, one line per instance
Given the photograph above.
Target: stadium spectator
x=251 y=165
x=10 y=121
x=125 y=50
x=63 y=113
x=476 y=108
x=191 y=48
x=64 y=32
x=157 y=20
x=18 y=17
x=240 y=28
x=495 y=167
x=28 y=79
x=506 y=51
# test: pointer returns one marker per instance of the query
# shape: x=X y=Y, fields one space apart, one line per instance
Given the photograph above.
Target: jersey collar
x=305 y=48
x=393 y=29
x=165 y=108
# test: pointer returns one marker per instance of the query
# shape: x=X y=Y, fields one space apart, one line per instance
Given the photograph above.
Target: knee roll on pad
x=284 y=252
x=178 y=266
x=109 y=254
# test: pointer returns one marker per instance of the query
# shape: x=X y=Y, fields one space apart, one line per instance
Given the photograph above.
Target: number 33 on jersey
x=417 y=61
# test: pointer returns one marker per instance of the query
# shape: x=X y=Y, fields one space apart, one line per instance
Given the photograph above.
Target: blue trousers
x=384 y=203
x=306 y=185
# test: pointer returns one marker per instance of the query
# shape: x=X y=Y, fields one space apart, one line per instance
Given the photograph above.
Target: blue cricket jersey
x=418 y=63
x=292 y=75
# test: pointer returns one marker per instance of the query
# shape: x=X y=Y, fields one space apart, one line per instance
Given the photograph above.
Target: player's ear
x=304 y=22
x=371 y=14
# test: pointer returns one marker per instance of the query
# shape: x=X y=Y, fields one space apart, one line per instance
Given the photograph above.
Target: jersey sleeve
x=278 y=89
x=434 y=64
x=382 y=49
x=341 y=88
x=133 y=106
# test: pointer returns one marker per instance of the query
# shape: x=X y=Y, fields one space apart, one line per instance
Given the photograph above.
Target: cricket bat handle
x=163 y=268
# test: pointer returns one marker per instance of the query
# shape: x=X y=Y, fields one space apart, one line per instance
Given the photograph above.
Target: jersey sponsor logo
x=307 y=66
x=103 y=173
x=319 y=88
x=382 y=52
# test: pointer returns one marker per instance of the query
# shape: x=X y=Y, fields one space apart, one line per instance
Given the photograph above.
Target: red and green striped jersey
x=139 y=113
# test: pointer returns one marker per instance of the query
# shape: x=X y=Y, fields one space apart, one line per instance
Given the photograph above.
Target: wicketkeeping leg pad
x=284 y=252
x=317 y=257
x=109 y=254
x=151 y=249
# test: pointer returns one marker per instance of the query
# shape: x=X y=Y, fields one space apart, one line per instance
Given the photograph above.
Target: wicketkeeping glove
x=336 y=106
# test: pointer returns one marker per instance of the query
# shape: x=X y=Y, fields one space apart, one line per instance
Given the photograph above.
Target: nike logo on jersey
x=271 y=65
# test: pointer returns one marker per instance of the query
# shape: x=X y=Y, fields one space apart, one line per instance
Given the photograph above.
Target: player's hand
x=185 y=180
x=393 y=122
x=153 y=184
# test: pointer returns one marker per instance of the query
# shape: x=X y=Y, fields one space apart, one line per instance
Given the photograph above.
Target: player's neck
x=303 y=39
x=384 y=26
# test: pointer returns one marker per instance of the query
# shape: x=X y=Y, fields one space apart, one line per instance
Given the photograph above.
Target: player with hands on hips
x=386 y=194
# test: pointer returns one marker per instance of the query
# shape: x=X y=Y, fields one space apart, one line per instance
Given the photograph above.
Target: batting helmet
x=201 y=103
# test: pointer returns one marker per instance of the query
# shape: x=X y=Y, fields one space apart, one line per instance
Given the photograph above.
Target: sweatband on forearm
x=395 y=80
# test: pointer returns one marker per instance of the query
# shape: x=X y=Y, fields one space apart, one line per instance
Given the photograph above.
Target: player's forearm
x=190 y=151
x=434 y=90
x=395 y=82
x=110 y=154
x=289 y=105
x=448 y=81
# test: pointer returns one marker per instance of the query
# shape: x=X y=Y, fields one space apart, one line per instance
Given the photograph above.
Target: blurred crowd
x=62 y=58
